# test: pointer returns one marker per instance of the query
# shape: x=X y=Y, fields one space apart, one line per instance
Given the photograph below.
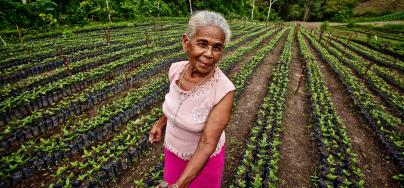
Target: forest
x=47 y=14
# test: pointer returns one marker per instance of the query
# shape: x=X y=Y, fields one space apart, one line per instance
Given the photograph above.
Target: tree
x=190 y=6
x=271 y=2
x=307 y=11
x=252 y=10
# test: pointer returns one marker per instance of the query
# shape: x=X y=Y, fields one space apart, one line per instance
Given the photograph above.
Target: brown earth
x=371 y=154
x=245 y=114
x=297 y=149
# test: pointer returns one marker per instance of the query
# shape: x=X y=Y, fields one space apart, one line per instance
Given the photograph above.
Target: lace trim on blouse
x=187 y=156
x=201 y=89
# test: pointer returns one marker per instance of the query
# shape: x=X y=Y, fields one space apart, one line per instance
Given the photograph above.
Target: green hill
x=379 y=7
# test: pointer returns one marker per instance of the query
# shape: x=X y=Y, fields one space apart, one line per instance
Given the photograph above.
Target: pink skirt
x=209 y=177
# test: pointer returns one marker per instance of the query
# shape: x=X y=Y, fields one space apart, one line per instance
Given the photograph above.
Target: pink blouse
x=187 y=111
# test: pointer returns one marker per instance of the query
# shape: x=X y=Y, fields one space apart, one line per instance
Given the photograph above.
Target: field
x=311 y=109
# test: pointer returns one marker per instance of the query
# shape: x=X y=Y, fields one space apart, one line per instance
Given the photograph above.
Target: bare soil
x=248 y=56
x=297 y=149
x=371 y=154
x=245 y=114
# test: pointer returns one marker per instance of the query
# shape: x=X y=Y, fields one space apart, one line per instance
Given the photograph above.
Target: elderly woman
x=197 y=107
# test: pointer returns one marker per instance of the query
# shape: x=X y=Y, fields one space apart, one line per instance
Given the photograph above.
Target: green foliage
x=295 y=12
x=351 y=24
x=388 y=17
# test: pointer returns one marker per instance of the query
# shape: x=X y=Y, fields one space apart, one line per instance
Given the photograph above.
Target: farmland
x=311 y=108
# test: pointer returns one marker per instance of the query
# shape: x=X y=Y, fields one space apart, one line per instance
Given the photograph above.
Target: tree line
x=48 y=14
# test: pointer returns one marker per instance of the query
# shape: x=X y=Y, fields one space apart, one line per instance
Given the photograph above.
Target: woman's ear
x=185 y=42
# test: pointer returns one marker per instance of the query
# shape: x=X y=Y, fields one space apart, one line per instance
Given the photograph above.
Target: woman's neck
x=194 y=74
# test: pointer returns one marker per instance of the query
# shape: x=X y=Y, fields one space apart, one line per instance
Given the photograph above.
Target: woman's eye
x=202 y=45
x=217 y=48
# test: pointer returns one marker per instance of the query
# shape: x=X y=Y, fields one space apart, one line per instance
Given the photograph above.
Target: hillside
x=379 y=6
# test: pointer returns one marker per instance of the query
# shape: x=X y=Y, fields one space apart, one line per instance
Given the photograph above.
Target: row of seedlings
x=374 y=55
x=111 y=173
x=15 y=89
x=152 y=177
x=45 y=119
x=34 y=157
x=70 y=44
x=387 y=92
x=383 y=124
x=338 y=166
x=386 y=73
x=83 y=65
x=14 y=155
x=14 y=74
x=100 y=164
x=21 y=105
x=249 y=67
x=259 y=165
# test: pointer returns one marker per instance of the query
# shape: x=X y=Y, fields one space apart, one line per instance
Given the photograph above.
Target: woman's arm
x=157 y=129
x=216 y=123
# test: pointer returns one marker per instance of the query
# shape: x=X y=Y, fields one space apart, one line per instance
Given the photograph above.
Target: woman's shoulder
x=175 y=69
x=178 y=65
x=224 y=81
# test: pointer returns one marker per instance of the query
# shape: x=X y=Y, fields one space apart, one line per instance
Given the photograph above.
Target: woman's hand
x=157 y=129
x=155 y=133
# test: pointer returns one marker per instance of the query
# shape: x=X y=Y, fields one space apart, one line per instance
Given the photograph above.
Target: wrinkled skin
x=204 y=49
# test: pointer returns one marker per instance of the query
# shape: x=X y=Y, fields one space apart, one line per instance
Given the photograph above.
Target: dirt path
x=297 y=149
x=244 y=116
x=376 y=94
x=371 y=154
x=248 y=55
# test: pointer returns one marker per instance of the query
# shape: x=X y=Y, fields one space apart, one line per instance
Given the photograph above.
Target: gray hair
x=203 y=18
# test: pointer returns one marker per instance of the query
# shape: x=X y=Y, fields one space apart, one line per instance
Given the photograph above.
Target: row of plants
x=228 y=63
x=87 y=64
x=32 y=157
x=21 y=105
x=69 y=39
x=234 y=44
x=338 y=165
x=80 y=49
x=102 y=163
x=161 y=86
x=17 y=73
x=18 y=60
x=153 y=176
x=382 y=123
x=374 y=55
x=249 y=67
x=26 y=70
x=20 y=130
x=392 y=97
x=384 y=72
x=259 y=165
x=113 y=166
x=43 y=121
x=358 y=29
x=158 y=171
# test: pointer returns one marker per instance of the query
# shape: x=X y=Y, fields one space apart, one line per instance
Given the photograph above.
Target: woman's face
x=205 y=48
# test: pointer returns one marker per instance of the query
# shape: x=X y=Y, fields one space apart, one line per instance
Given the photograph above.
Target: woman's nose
x=209 y=52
